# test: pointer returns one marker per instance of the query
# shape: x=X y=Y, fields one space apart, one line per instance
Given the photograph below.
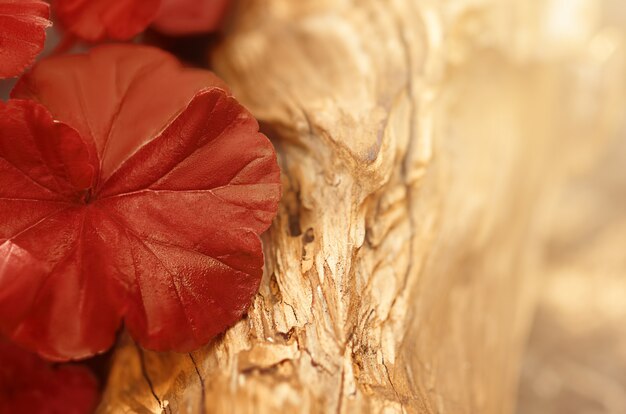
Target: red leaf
x=97 y=20
x=165 y=237
x=23 y=26
x=187 y=17
x=30 y=385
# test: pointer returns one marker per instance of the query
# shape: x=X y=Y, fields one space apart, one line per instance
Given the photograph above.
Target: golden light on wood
x=432 y=155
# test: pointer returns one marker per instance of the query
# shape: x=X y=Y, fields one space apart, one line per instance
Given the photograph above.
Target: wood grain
x=420 y=143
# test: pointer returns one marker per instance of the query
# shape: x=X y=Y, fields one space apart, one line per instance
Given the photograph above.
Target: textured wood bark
x=417 y=142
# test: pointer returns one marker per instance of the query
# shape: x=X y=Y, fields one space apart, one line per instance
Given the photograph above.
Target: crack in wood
x=202 y=390
x=393 y=387
x=146 y=376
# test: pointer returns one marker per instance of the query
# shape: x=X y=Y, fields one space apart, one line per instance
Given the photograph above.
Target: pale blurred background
x=576 y=359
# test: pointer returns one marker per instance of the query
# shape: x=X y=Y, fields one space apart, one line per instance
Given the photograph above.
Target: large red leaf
x=97 y=20
x=165 y=237
x=23 y=26
x=33 y=386
x=117 y=97
x=187 y=17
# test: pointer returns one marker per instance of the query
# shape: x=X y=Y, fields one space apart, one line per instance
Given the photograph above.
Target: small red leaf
x=166 y=236
x=31 y=385
x=187 y=17
x=97 y=20
x=23 y=26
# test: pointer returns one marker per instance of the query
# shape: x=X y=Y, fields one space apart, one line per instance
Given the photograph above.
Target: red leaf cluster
x=97 y=20
x=133 y=190
x=23 y=26
x=30 y=385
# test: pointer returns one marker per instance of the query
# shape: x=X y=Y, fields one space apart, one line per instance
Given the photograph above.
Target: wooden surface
x=421 y=144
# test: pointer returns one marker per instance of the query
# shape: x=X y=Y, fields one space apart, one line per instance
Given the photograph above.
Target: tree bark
x=420 y=142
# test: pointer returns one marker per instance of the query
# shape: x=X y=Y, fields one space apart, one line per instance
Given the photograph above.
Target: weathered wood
x=417 y=141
